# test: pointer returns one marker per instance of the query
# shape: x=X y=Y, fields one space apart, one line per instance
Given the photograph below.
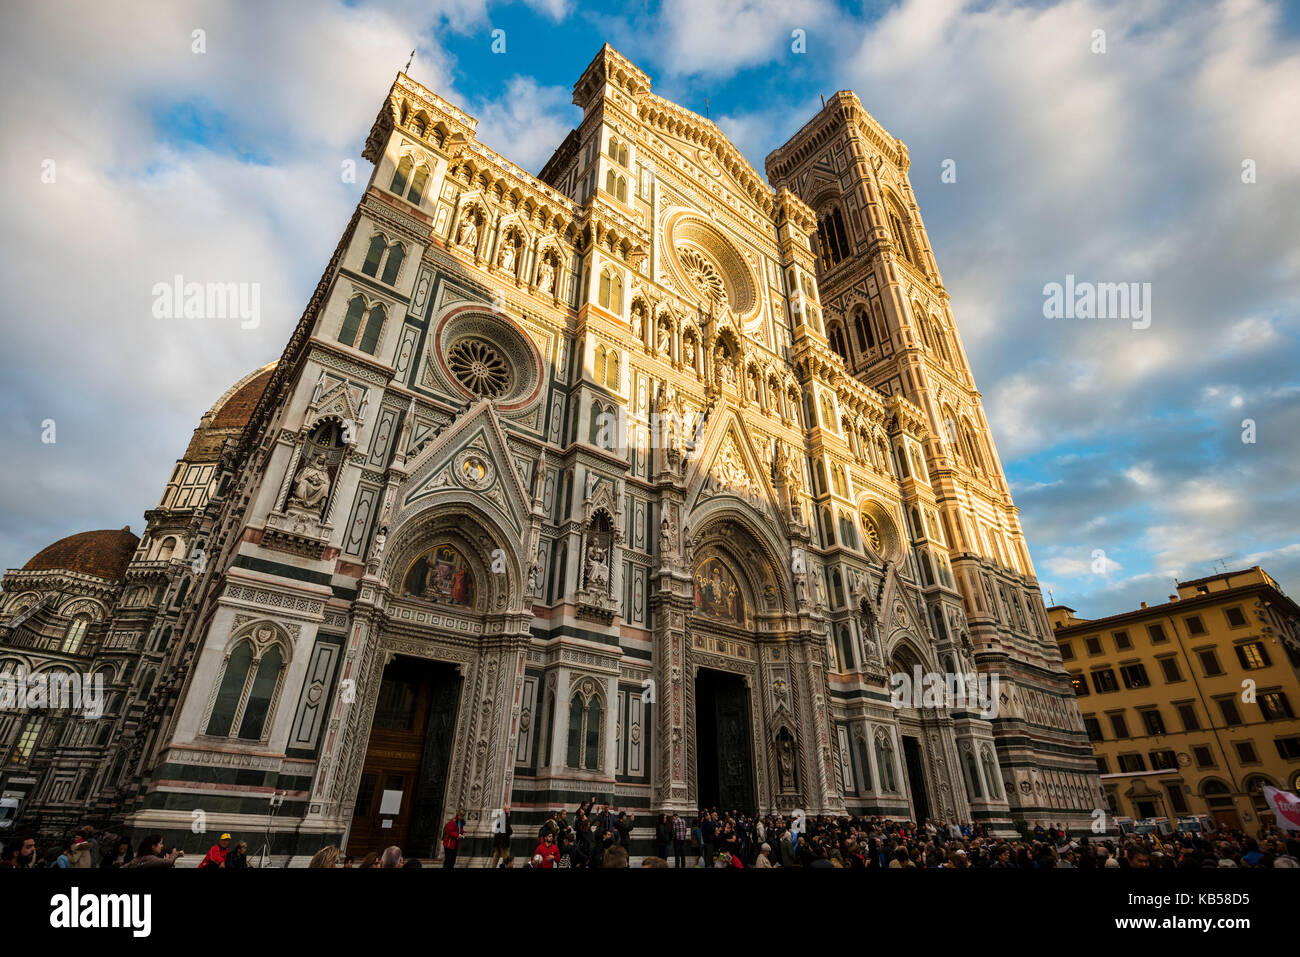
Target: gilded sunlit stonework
x=638 y=477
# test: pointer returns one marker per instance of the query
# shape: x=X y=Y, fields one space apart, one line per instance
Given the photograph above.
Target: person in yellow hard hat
x=217 y=856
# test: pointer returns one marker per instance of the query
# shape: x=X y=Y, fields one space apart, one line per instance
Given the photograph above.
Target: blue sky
x=1122 y=166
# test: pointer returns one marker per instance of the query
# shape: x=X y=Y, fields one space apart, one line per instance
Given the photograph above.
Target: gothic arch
x=750 y=551
x=490 y=550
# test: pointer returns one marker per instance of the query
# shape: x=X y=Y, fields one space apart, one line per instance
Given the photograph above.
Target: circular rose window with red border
x=487 y=356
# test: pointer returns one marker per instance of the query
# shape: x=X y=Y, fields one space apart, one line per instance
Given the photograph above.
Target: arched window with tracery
x=400 y=176
x=352 y=320
x=899 y=231
x=862 y=324
x=418 y=183
x=378 y=246
x=584 y=729
x=374 y=324
x=396 y=253
x=248 y=688
x=611 y=291
x=832 y=238
x=839 y=343
x=75 y=635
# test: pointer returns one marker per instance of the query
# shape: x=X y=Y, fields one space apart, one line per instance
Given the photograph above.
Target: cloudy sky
x=130 y=158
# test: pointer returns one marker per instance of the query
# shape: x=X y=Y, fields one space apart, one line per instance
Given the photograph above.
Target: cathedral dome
x=235 y=407
x=104 y=554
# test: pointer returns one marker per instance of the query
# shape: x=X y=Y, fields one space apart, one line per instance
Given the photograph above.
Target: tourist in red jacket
x=216 y=857
x=452 y=835
x=547 y=851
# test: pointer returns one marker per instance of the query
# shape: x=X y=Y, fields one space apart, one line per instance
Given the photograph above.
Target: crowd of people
x=88 y=847
x=730 y=839
x=593 y=838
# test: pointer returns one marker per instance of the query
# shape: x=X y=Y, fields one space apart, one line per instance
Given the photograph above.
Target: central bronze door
x=725 y=766
x=404 y=776
x=916 y=778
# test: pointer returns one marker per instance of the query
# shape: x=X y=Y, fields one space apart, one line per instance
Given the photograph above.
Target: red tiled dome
x=234 y=411
x=104 y=554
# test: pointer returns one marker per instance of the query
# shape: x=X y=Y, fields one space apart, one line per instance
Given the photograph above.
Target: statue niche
x=322 y=453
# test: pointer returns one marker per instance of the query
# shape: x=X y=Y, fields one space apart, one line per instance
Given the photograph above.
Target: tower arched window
x=418 y=183
x=378 y=244
x=352 y=321
x=600 y=364
x=838 y=343
x=400 y=176
x=833 y=238
x=396 y=254
x=898 y=229
x=611 y=182
x=231 y=689
x=622 y=189
x=861 y=322
x=611 y=291
x=374 y=323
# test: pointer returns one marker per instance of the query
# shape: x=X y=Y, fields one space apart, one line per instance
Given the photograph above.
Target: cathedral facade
x=639 y=479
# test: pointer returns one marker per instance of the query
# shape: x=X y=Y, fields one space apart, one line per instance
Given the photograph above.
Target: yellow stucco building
x=1191 y=704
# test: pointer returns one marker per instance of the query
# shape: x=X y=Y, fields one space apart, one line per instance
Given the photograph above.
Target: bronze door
x=417 y=702
x=725 y=766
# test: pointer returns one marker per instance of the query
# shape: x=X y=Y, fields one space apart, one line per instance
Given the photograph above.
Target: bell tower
x=890 y=319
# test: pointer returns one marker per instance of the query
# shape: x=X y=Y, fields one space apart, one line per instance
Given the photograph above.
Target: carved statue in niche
x=789 y=470
x=690 y=351
x=597 y=565
x=467 y=232
x=726 y=374
x=508 y=254
x=667 y=538
x=665 y=340
x=310 y=487
x=547 y=281
x=785 y=762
